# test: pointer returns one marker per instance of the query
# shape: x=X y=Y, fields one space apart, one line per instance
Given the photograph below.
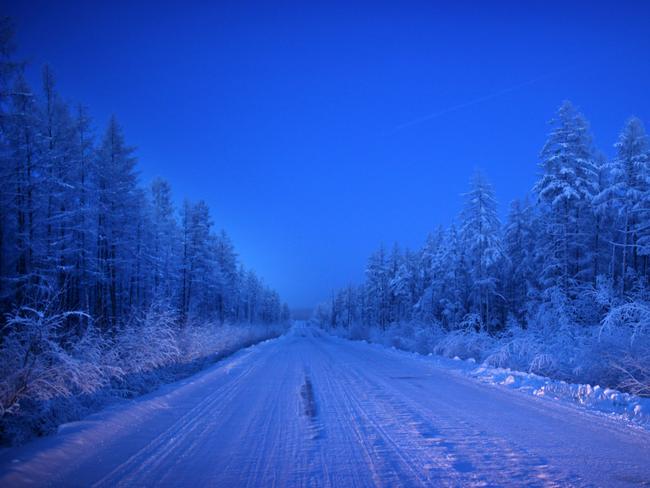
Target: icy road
x=311 y=410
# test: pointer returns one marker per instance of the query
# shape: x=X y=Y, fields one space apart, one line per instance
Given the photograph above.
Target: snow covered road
x=311 y=410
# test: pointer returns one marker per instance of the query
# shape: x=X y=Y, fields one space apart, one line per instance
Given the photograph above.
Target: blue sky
x=316 y=132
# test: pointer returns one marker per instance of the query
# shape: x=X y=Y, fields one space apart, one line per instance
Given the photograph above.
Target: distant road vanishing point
x=308 y=409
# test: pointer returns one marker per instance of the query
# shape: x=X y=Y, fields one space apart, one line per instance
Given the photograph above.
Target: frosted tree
x=451 y=267
x=426 y=269
x=603 y=206
x=165 y=239
x=480 y=237
x=442 y=300
x=427 y=276
x=399 y=296
x=65 y=189
x=566 y=189
x=22 y=209
x=519 y=271
x=226 y=258
x=117 y=217
x=623 y=197
x=377 y=288
x=631 y=184
x=350 y=306
x=141 y=279
x=413 y=279
x=285 y=313
x=252 y=294
x=196 y=263
x=84 y=237
x=271 y=306
x=8 y=72
x=54 y=179
x=9 y=68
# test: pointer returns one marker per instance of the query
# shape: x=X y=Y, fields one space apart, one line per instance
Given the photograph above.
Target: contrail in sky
x=485 y=98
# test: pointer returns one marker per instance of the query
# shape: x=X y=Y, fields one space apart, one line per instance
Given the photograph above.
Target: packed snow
x=309 y=409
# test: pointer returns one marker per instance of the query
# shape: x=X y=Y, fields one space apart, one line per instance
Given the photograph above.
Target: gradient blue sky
x=316 y=132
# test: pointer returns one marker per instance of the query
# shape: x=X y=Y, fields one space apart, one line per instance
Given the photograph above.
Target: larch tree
x=481 y=239
x=566 y=189
x=117 y=217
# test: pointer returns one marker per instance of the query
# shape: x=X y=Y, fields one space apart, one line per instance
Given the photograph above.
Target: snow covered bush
x=34 y=365
x=465 y=344
x=626 y=329
x=42 y=364
x=426 y=337
x=146 y=343
x=515 y=348
x=398 y=335
x=632 y=318
x=52 y=373
x=471 y=322
x=553 y=330
x=198 y=341
x=359 y=332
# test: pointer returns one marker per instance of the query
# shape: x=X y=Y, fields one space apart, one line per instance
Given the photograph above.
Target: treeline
x=79 y=233
x=106 y=289
x=575 y=253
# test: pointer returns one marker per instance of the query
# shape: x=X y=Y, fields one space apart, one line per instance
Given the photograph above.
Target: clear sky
x=316 y=132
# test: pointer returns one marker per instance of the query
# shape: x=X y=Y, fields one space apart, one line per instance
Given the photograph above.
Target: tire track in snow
x=409 y=458
x=466 y=448
x=349 y=457
x=161 y=454
x=475 y=455
x=266 y=468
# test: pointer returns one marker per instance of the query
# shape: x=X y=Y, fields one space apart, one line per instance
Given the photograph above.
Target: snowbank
x=629 y=408
x=623 y=405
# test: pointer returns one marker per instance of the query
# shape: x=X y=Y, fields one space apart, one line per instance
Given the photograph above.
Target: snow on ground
x=627 y=408
x=623 y=405
x=312 y=410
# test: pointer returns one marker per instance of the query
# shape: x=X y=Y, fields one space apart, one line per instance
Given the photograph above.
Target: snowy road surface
x=311 y=410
